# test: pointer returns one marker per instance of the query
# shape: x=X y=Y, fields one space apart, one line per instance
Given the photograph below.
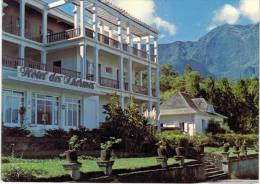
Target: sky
x=188 y=20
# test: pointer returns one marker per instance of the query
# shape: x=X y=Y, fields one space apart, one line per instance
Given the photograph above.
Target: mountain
x=227 y=51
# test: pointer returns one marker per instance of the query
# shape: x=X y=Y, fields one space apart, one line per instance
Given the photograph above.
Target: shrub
x=15 y=132
x=56 y=133
x=15 y=173
x=214 y=128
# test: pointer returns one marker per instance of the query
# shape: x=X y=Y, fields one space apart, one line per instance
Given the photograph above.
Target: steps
x=213 y=173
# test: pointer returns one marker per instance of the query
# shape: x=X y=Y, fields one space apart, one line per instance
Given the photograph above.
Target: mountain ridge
x=227 y=51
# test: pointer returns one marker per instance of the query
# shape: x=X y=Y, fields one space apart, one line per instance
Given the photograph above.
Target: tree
x=187 y=69
x=208 y=88
x=167 y=69
x=192 y=83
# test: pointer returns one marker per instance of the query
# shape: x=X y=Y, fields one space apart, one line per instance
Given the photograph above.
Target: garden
x=125 y=142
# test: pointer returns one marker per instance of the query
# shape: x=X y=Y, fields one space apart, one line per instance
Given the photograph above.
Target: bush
x=15 y=132
x=15 y=173
x=56 y=133
x=214 y=128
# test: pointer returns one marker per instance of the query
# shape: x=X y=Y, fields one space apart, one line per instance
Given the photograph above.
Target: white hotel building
x=64 y=67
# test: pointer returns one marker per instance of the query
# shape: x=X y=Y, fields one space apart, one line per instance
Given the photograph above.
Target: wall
x=170 y=119
x=245 y=167
x=10 y=49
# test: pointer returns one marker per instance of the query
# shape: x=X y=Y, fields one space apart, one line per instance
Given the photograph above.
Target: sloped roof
x=183 y=103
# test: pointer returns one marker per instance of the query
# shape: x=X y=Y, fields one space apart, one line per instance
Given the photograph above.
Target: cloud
x=145 y=11
x=250 y=9
x=227 y=14
x=161 y=36
x=231 y=14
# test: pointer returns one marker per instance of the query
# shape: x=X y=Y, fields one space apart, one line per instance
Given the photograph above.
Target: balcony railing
x=90 y=77
x=65 y=35
x=89 y=33
x=140 y=89
x=10 y=25
x=51 y=68
x=140 y=53
x=11 y=62
x=152 y=58
x=108 y=82
x=125 y=47
x=126 y=86
x=107 y=40
x=33 y=36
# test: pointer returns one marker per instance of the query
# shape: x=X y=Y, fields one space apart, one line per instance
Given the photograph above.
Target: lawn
x=53 y=167
x=219 y=150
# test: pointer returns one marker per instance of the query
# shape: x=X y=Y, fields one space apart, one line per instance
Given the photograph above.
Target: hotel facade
x=63 y=67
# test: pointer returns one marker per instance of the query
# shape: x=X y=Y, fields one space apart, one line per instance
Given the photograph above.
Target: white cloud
x=145 y=11
x=231 y=14
x=227 y=14
x=161 y=36
x=250 y=9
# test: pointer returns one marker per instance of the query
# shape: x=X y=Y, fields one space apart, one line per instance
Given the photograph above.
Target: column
x=157 y=106
x=149 y=81
x=22 y=54
x=139 y=44
x=82 y=18
x=28 y=114
x=43 y=57
x=22 y=17
x=95 y=22
x=129 y=40
x=101 y=28
x=76 y=12
x=119 y=32
x=130 y=75
x=83 y=58
x=141 y=78
x=157 y=82
x=148 y=46
x=44 y=26
x=121 y=72
x=95 y=62
x=122 y=101
x=155 y=49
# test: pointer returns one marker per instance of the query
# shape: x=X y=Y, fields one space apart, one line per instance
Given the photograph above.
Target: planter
x=180 y=151
x=236 y=148
x=162 y=161
x=71 y=156
x=162 y=152
x=106 y=166
x=105 y=155
x=226 y=149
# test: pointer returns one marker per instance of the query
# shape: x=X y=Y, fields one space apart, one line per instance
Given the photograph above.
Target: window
x=109 y=70
x=45 y=109
x=203 y=124
x=12 y=101
x=72 y=113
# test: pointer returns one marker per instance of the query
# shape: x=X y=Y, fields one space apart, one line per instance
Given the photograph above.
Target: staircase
x=213 y=173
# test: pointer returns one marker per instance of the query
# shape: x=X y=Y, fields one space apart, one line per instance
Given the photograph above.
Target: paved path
x=236 y=181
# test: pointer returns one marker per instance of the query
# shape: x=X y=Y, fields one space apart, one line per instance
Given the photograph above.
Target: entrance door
x=91 y=112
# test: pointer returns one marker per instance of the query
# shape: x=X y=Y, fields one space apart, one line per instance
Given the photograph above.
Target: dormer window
x=210 y=109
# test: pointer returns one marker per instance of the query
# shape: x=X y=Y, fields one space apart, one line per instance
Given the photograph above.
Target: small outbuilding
x=186 y=114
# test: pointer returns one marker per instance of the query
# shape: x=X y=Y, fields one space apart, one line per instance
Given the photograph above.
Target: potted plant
x=74 y=146
x=106 y=148
x=22 y=111
x=226 y=147
x=180 y=150
x=162 y=148
x=237 y=145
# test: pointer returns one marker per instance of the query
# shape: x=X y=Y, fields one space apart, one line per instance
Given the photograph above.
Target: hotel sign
x=53 y=77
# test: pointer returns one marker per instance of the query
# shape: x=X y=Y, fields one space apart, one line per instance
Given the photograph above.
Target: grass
x=53 y=167
x=219 y=150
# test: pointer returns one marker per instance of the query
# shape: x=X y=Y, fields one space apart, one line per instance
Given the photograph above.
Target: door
x=91 y=112
x=56 y=66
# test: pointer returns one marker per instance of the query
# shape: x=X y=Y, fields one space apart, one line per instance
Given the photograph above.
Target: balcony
x=140 y=89
x=11 y=62
x=138 y=52
x=90 y=77
x=89 y=33
x=108 y=82
x=65 y=35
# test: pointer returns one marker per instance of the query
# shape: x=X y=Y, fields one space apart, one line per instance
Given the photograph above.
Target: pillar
x=44 y=26
x=95 y=63
x=155 y=49
x=149 y=81
x=121 y=72
x=148 y=46
x=83 y=58
x=130 y=75
x=141 y=78
x=122 y=101
x=129 y=40
x=101 y=28
x=119 y=32
x=82 y=18
x=22 y=17
x=95 y=22
x=22 y=54
x=157 y=108
x=43 y=57
x=157 y=82
x=76 y=12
